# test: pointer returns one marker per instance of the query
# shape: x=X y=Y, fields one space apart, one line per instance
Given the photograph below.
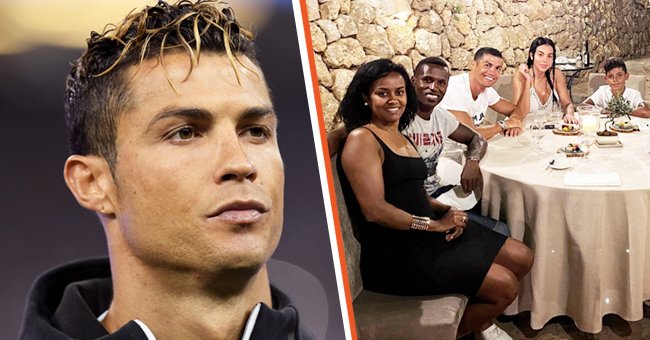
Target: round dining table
x=588 y=225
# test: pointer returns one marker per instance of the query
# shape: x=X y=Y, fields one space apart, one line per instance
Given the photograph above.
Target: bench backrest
x=351 y=246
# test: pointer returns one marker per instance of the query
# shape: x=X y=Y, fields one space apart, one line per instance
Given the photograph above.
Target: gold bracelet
x=420 y=223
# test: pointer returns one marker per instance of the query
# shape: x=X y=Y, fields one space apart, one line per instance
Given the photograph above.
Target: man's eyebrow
x=191 y=113
x=256 y=112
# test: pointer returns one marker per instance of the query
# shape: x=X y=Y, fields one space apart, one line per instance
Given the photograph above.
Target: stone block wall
x=347 y=33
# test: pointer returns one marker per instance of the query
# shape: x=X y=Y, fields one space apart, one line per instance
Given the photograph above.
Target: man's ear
x=90 y=180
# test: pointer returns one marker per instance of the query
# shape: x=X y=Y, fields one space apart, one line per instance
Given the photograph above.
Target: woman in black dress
x=409 y=245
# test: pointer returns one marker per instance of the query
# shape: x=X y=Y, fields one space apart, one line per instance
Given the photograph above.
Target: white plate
x=562 y=166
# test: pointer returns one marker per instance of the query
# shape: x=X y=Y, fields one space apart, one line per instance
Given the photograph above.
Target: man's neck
x=424 y=111
x=475 y=87
x=184 y=305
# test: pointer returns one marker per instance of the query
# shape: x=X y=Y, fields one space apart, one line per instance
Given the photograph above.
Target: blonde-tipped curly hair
x=96 y=89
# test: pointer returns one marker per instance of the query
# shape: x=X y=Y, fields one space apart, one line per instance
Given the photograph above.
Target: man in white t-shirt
x=470 y=94
x=430 y=129
x=433 y=125
x=616 y=75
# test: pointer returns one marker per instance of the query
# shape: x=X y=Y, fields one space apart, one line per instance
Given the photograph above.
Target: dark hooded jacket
x=65 y=302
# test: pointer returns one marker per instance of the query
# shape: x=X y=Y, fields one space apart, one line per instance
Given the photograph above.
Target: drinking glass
x=556 y=118
x=589 y=122
x=537 y=132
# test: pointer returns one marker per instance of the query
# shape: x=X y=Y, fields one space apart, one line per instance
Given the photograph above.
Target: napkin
x=459 y=199
x=578 y=179
x=449 y=172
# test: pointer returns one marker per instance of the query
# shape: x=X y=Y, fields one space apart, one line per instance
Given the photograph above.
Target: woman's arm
x=565 y=97
x=438 y=207
x=521 y=84
x=362 y=160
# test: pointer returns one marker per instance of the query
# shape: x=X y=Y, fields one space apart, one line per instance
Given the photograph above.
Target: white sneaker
x=495 y=333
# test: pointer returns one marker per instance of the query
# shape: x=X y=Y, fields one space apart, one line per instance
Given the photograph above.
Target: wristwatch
x=474 y=158
x=502 y=125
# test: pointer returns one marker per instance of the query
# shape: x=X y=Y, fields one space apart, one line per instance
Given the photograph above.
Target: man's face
x=430 y=83
x=616 y=79
x=487 y=70
x=199 y=177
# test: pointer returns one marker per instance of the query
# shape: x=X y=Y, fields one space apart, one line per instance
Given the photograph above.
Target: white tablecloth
x=591 y=244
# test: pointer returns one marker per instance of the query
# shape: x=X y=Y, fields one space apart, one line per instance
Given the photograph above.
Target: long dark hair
x=352 y=110
x=550 y=73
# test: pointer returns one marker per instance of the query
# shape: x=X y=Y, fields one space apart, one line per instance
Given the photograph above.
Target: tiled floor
x=563 y=327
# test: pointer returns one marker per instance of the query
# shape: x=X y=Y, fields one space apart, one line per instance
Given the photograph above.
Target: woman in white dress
x=539 y=85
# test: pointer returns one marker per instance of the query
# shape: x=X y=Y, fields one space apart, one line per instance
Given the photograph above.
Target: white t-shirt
x=429 y=137
x=604 y=94
x=459 y=98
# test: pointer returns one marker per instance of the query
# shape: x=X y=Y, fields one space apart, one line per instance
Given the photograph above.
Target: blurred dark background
x=43 y=226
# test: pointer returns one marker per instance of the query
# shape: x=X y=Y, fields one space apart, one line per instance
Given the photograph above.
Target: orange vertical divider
x=328 y=167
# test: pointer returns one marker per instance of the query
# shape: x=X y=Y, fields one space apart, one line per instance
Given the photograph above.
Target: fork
x=551 y=162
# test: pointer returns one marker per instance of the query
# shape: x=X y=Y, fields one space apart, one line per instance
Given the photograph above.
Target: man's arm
x=471 y=177
x=504 y=107
x=642 y=111
x=487 y=131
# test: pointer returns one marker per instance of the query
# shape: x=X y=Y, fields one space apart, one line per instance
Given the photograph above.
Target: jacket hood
x=64 y=303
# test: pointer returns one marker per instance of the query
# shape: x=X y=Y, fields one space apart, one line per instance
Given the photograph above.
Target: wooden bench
x=380 y=316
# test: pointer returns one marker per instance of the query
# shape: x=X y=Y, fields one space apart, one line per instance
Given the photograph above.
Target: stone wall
x=347 y=33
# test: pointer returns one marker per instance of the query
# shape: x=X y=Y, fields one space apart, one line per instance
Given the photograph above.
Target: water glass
x=537 y=132
x=556 y=118
x=589 y=120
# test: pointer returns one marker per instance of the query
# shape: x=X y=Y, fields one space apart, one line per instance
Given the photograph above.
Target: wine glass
x=537 y=132
x=556 y=115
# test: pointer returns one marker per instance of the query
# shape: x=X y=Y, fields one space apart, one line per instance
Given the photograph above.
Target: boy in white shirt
x=616 y=75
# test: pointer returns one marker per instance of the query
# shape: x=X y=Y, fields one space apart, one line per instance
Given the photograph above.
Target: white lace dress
x=537 y=105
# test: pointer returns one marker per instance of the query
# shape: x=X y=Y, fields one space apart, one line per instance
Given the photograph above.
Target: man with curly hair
x=174 y=147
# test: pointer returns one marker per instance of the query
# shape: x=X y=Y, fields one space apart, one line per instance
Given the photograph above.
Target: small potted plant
x=618 y=109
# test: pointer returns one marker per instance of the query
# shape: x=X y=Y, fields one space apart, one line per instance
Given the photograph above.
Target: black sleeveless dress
x=413 y=262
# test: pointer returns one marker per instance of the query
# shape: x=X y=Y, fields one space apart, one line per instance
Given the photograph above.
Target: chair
x=380 y=316
x=504 y=88
x=636 y=82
